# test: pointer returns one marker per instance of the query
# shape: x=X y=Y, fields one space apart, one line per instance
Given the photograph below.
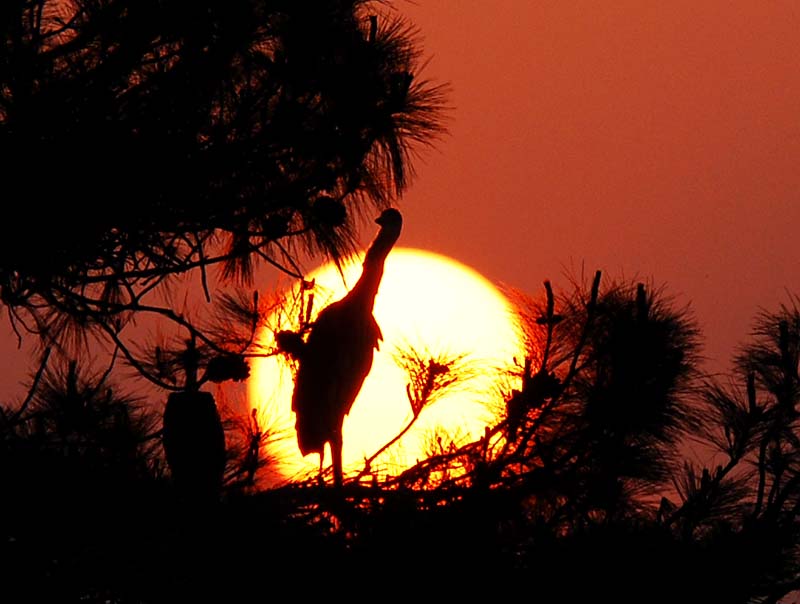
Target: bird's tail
x=310 y=436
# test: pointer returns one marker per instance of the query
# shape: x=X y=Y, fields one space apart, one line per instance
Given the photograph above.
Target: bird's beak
x=381 y=220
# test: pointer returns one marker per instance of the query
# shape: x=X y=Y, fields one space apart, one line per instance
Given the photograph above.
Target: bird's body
x=194 y=444
x=338 y=323
x=338 y=355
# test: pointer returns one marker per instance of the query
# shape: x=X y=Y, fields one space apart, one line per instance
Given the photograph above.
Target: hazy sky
x=643 y=138
x=650 y=139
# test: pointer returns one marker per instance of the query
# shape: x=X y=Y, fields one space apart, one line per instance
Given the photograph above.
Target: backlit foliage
x=147 y=139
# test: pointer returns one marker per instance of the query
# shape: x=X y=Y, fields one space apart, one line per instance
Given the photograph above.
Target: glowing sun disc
x=432 y=304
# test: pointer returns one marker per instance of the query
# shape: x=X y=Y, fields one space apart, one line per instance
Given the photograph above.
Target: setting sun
x=428 y=304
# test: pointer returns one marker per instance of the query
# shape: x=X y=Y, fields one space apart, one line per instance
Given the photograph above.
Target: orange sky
x=640 y=138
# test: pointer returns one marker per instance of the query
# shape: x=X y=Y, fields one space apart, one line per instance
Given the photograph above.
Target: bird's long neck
x=372 y=272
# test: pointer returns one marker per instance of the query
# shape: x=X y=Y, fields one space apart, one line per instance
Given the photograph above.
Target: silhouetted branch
x=277 y=139
x=33 y=387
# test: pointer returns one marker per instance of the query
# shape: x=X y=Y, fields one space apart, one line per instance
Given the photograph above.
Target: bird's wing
x=377 y=334
x=336 y=360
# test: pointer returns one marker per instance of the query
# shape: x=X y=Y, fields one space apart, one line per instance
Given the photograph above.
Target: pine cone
x=227 y=367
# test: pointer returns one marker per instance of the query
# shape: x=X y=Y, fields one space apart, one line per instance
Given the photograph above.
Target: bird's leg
x=320 y=477
x=336 y=452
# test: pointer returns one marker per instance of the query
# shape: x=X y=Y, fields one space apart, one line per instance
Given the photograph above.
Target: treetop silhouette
x=151 y=138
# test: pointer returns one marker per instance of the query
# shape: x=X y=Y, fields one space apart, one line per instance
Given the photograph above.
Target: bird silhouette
x=194 y=439
x=338 y=355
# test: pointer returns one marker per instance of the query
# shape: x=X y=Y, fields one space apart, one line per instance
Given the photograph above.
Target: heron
x=338 y=355
x=194 y=438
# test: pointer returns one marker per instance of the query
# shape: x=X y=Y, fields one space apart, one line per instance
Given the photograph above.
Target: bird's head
x=390 y=218
x=391 y=224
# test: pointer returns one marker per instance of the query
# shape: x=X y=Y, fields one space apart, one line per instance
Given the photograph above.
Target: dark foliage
x=568 y=497
x=149 y=138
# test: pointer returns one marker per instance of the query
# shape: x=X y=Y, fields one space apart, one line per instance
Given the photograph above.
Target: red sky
x=658 y=140
x=649 y=139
